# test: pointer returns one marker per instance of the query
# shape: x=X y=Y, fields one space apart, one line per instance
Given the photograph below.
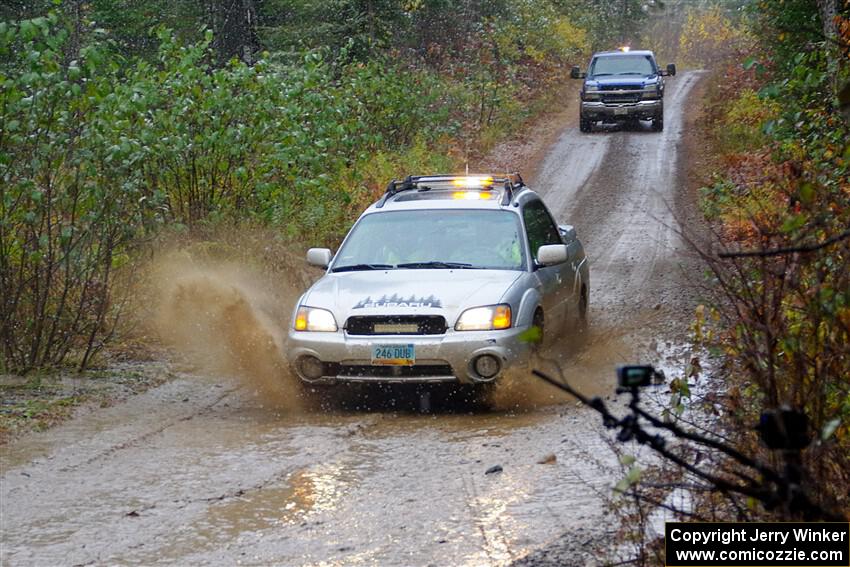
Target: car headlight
x=591 y=88
x=489 y=318
x=315 y=319
x=653 y=88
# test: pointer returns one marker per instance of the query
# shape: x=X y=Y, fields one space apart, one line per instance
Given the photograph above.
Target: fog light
x=310 y=368
x=487 y=366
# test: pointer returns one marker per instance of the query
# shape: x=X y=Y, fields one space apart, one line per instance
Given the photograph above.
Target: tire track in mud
x=142 y=437
x=624 y=213
x=627 y=214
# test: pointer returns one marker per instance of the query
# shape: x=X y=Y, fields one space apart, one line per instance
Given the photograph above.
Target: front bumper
x=611 y=112
x=439 y=358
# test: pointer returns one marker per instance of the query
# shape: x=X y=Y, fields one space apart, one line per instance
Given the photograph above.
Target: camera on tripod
x=636 y=376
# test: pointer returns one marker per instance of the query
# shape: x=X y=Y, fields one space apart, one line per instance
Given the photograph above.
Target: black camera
x=635 y=376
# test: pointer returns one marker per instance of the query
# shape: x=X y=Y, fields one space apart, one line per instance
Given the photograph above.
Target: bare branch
x=787 y=250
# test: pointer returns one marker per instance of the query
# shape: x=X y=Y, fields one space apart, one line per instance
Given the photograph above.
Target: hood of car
x=623 y=81
x=406 y=292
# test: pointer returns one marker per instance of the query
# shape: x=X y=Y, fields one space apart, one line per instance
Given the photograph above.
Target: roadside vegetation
x=782 y=205
x=777 y=195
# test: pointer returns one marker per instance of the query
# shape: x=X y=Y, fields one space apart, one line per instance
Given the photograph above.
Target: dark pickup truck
x=622 y=85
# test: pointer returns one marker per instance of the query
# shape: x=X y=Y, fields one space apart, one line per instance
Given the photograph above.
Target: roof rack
x=512 y=182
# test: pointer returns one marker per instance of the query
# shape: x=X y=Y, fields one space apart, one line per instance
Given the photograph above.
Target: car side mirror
x=575 y=73
x=552 y=254
x=568 y=232
x=671 y=69
x=320 y=257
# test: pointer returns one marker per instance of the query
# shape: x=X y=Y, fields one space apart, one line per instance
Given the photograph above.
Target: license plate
x=393 y=355
x=620 y=111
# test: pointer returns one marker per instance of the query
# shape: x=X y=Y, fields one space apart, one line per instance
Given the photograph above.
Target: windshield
x=622 y=65
x=433 y=239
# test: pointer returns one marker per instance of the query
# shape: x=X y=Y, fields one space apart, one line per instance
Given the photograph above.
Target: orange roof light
x=473 y=181
x=472 y=195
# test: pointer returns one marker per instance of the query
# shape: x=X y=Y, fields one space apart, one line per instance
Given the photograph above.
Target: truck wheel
x=584 y=125
x=658 y=122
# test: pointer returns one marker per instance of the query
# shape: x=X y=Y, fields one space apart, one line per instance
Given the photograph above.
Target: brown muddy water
x=229 y=465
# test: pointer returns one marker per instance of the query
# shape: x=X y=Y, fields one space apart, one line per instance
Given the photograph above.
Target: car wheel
x=577 y=322
x=581 y=315
x=472 y=396
x=483 y=396
x=584 y=125
x=538 y=322
x=316 y=396
x=658 y=122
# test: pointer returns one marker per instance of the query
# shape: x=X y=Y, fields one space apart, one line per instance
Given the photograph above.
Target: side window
x=539 y=227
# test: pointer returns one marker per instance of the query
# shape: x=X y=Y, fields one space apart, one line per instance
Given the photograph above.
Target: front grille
x=396 y=325
x=415 y=371
x=621 y=98
x=622 y=87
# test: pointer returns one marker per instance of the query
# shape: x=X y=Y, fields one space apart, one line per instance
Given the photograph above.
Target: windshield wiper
x=631 y=73
x=358 y=267
x=435 y=264
x=602 y=74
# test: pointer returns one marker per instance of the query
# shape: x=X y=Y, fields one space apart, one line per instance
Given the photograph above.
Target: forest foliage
x=780 y=201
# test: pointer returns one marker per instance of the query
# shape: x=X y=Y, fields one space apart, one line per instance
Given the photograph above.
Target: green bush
x=743 y=126
x=71 y=195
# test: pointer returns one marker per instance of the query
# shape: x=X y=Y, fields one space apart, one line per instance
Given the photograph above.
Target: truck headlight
x=591 y=88
x=314 y=319
x=488 y=318
x=650 y=91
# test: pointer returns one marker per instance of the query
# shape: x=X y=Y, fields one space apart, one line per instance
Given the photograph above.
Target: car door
x=555 y=282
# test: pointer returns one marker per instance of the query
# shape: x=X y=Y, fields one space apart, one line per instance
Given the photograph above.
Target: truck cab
x=622 y=85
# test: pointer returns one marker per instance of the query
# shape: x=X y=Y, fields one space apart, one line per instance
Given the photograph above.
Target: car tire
x=581 y=310
x=577 y=321
x=658 y=122
x=538 y=321
x=585 y=125
x=483 y=397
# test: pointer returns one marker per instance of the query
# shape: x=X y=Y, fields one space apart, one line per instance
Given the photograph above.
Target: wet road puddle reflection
x=257 y=514
x=314 y=490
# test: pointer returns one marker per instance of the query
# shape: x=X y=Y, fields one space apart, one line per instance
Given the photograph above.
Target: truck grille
x=621 y=94
x=396 y=325
x=621 y=98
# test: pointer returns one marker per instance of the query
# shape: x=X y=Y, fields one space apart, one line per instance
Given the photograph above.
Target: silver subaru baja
x=440 y=281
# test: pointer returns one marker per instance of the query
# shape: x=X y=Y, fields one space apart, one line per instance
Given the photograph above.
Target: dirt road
x=201 y=471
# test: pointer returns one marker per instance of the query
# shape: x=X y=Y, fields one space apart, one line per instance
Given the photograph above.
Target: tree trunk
x=234 y=24
x=74 y=12
x=828 y=10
